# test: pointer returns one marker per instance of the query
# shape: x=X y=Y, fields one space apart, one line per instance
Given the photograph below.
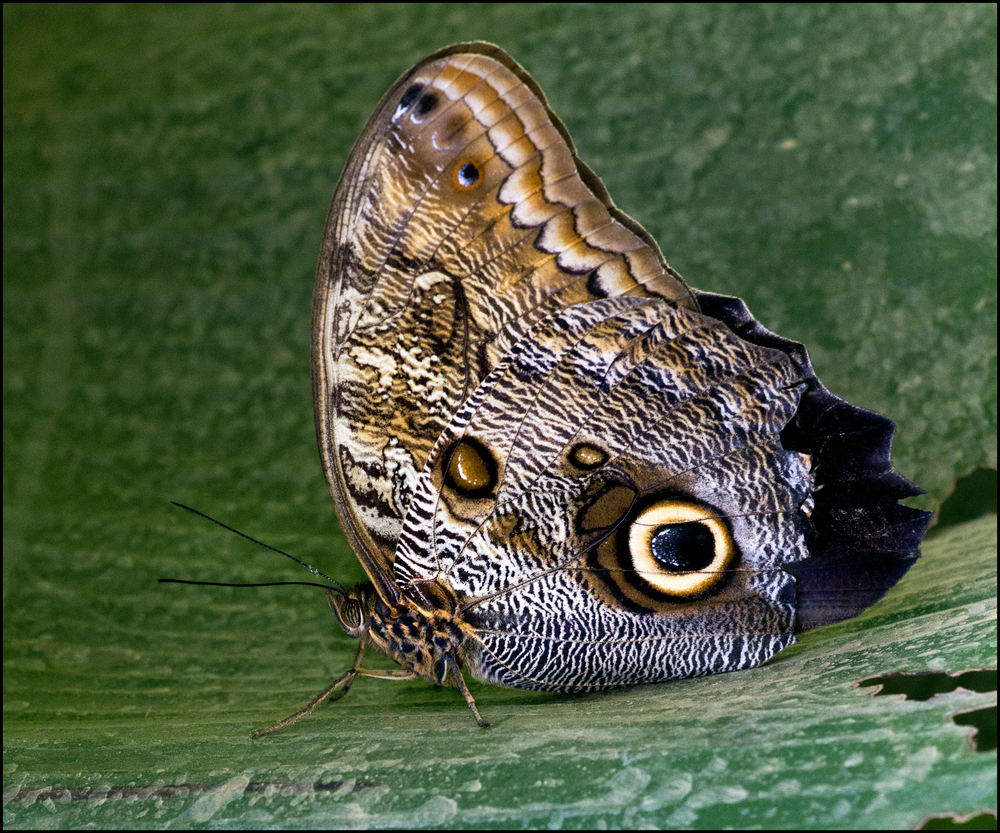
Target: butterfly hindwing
x=538 y=508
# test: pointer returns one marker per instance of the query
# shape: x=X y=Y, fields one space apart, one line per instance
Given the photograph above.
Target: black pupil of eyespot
x=467 y=174
x=427 y=102
x=682 y=548
x=410 y=96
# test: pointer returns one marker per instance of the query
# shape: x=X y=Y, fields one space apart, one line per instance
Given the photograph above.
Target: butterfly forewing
x=461 y=219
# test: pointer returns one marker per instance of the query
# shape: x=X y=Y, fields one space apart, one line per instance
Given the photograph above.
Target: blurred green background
x=166 y=174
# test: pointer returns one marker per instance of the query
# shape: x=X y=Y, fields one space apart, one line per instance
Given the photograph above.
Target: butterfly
x=561 y=467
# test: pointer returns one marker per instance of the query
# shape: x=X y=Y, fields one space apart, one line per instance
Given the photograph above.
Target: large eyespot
x=471 y=469
x=466 y=175
x=680 y=548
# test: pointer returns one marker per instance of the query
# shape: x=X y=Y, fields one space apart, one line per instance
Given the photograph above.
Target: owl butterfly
x=561 y=467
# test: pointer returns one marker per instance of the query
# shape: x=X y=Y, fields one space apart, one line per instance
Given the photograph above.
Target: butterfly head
x=353 y=608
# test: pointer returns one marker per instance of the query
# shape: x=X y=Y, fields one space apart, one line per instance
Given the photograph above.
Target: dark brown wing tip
x=864 y=540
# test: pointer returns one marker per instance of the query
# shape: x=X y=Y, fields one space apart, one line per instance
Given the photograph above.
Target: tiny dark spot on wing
x=410 y=95
x=428 y=101
x=467 y=175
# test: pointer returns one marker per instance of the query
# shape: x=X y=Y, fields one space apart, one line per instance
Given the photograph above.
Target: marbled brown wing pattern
x=461 y=219
x=607 y=426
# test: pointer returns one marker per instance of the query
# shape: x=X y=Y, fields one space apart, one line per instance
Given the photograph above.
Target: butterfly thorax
x=418 y=640
x=422 y=631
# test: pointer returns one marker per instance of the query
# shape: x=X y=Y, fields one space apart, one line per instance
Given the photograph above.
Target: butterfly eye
x=466 y=175
x=680 y=548
x=349 y=612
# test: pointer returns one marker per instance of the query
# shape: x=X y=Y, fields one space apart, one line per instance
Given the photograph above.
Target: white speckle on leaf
x=627 y=786
x=788 y=787
x=682 y=817
x=841 y=809
x=435 y=812
x=550 y=782
x=209 y=804
x=719 y=794
x=716 y=766
x=918 y=765
x=669 y=791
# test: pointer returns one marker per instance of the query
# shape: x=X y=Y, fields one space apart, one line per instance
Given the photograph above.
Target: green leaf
x=166 y=175
x=161 y=739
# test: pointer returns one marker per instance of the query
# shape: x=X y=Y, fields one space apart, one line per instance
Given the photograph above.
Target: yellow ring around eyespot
x=640 y=539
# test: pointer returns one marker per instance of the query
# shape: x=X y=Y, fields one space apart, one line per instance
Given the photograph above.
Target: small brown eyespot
x=471 y=470
x=587 y=456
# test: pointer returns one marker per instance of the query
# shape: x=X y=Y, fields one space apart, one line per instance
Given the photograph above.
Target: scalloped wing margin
x=864 y=540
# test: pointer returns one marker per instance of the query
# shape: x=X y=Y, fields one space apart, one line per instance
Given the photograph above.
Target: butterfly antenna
x=337 y=585
x=245 y=584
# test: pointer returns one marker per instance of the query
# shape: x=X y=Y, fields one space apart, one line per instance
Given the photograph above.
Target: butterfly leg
x=337 y=689
x=456 y=672
x=390 y=674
